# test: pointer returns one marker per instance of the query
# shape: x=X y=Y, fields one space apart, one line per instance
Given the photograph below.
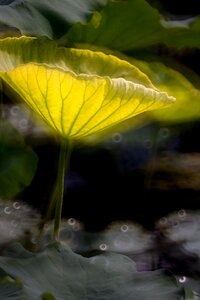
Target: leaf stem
x=63 y=165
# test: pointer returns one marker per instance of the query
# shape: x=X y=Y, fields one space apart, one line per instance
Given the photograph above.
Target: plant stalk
x=63 y=166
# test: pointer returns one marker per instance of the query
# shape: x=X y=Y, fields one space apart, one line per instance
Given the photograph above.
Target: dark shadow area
x=141 y=180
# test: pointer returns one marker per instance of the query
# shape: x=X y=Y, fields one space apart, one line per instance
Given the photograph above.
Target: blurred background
x=147 y=170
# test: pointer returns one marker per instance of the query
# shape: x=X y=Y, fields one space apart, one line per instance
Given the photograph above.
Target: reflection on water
x=177 y=171
x=18 y=222
x=174 y=245
x=23 y=120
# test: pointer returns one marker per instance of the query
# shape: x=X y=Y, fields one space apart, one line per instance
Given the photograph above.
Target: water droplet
x=103 y=247
x=14 y=111
x=148 y=144
x=163 y=221
x=71 y=221
x=16 y=205
x=117 y=137
x=124 y=228
x=164 y=132
x=182 y=213
x=182 y=279
x=23 y=124
x=7 y=210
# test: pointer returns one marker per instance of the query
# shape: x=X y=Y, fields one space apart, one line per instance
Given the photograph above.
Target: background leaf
x=187 y=105
x=18 y=162
x=132 y=25
x=122 y=25
x=183 y=34
x=109 y=276
x=47 y=18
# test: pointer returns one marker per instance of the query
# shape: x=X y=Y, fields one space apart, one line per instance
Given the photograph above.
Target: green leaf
x=17 y=162
x=133 y=25
x=69 y=276
x=19 y=51
x=187 y=105
x=185 y=36
x=122 y=25
x=25 y=18
x=109 y=27
x=49 y=18
x=77 y=92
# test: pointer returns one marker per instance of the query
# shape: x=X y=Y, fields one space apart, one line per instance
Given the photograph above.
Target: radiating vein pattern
x=79 y=105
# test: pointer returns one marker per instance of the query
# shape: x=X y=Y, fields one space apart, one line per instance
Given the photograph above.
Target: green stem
x=63 y=165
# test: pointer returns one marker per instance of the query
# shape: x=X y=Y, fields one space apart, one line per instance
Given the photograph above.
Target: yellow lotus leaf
x=72 y=89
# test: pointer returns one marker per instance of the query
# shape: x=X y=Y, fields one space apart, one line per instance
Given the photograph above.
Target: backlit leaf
x=77 y=92
x=23 y=50
x=77 y=106
x=187 y=105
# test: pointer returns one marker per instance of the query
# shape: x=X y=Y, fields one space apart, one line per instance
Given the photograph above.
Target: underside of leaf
x=80 y=105
x=18 y=51
x=77 y=92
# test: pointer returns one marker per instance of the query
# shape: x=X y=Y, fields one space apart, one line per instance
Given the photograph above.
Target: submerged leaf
x=69 y=276
x=77 y=92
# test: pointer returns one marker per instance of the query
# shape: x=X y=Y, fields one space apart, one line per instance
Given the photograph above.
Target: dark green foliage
x=134 y=24
x=18 y=162
x=49 y=17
